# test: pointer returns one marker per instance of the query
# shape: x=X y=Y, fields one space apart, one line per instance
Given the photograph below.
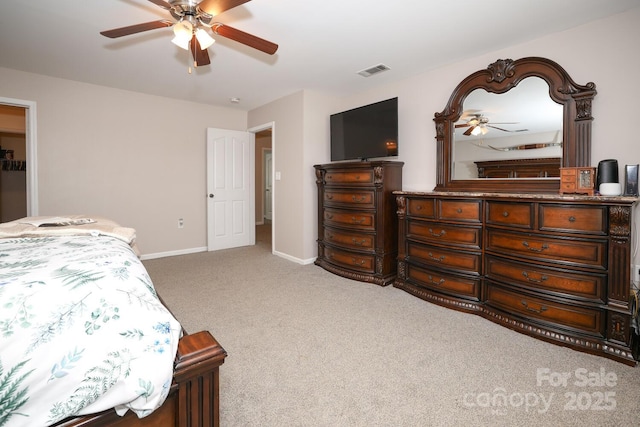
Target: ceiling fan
x=192 y=19
x=478 y=124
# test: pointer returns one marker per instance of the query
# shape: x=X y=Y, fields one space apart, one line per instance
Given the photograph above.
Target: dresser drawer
x=557 y=281
x=584 y=319
x=346 y=176
x=349 y=240
x=357 y=198
x=358 y=220
x=352 y=260
x=580 y=219
x=449 y=283
x=460 y=210
x=510 y=214
x=443 y=233
x=421 y=208
x=570 y=252
x=444 y=258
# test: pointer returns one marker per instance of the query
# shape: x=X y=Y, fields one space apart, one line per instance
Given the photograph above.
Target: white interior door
x=268 y=184
x=230 y=189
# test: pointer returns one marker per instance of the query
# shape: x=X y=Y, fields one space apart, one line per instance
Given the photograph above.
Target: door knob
x=210 y=195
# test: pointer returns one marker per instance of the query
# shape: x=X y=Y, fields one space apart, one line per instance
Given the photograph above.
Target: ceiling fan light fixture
x=204 y=38
x=476 y=131
x=183 y=31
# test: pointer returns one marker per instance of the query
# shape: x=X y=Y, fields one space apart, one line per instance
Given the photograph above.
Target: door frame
x=31 y=148
x=256 y=129
x=265 y=152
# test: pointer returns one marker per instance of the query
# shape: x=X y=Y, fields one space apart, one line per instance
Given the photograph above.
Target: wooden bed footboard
x=194 y=397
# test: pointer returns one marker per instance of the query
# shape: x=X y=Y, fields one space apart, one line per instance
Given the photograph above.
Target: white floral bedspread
x=81 y=330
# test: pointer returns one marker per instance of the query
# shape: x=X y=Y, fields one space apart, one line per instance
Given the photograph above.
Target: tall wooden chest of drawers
x=357 y=219
x=554 y=267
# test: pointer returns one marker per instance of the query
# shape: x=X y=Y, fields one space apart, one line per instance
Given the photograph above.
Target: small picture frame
x=631 y=180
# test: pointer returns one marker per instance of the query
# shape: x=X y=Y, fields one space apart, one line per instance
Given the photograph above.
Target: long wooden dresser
x=554 y=267
x=357 y=221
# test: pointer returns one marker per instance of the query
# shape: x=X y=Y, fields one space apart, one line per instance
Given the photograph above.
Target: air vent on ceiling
x=373 y=70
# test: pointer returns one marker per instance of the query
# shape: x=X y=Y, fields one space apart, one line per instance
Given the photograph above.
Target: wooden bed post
x=197 y=376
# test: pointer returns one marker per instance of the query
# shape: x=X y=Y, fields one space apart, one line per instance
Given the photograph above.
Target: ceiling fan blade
x=468 y=131
x=200 y=56
x=216 y=7
x=138 y=28
x=163 y=4
x=467 y=114
x=245 y=38
x=463 y=125
x=507 y=130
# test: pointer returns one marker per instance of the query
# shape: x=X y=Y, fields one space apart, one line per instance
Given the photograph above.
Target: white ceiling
x=323 y=43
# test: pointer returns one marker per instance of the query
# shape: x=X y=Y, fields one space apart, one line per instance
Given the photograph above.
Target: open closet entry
x=13 y=164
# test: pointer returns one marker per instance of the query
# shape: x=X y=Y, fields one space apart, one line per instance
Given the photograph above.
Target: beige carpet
x=308 y=348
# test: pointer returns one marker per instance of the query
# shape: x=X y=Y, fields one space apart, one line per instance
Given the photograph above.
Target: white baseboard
x=294 y=259
x=173 y=253
x=204 y=249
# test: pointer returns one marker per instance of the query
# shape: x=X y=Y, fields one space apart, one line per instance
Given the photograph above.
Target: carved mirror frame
x=500 y=77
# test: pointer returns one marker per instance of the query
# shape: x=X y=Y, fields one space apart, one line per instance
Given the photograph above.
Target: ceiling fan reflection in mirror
x=191 y=26
x=478 y=124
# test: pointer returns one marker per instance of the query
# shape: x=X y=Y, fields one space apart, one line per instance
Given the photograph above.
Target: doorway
x=27 y=132
x=13 y=147
x=264 y=185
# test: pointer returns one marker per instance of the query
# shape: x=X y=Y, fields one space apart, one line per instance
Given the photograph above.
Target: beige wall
x=300 y=140
x=287 y=115
x=603 y=52
x=136 y=158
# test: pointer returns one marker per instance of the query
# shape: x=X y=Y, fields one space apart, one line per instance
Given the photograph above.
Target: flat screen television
x=365 y=132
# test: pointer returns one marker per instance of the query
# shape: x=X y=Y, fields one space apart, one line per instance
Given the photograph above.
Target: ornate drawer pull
x=459 y=210
x=357 y=177
x=542 y=278
x=440 y=234
x=572 y=219
x=328 y=196
x=505 y=214
x=440 y=259
x=433 y=282
x=535 y=310
x=356 y=261
x=355 y=220
x=330 y=236
x=419 y=207
x=329 y=216
x=542 y=248
x=359 y=242
x=358 y=199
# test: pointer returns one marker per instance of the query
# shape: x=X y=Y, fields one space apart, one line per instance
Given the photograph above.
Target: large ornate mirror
x=510 y=128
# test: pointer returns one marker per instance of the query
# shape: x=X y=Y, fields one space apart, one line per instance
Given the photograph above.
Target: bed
x=84 y=338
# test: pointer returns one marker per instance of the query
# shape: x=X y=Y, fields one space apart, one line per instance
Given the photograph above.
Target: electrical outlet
x=180 y=223
x=636 y=273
